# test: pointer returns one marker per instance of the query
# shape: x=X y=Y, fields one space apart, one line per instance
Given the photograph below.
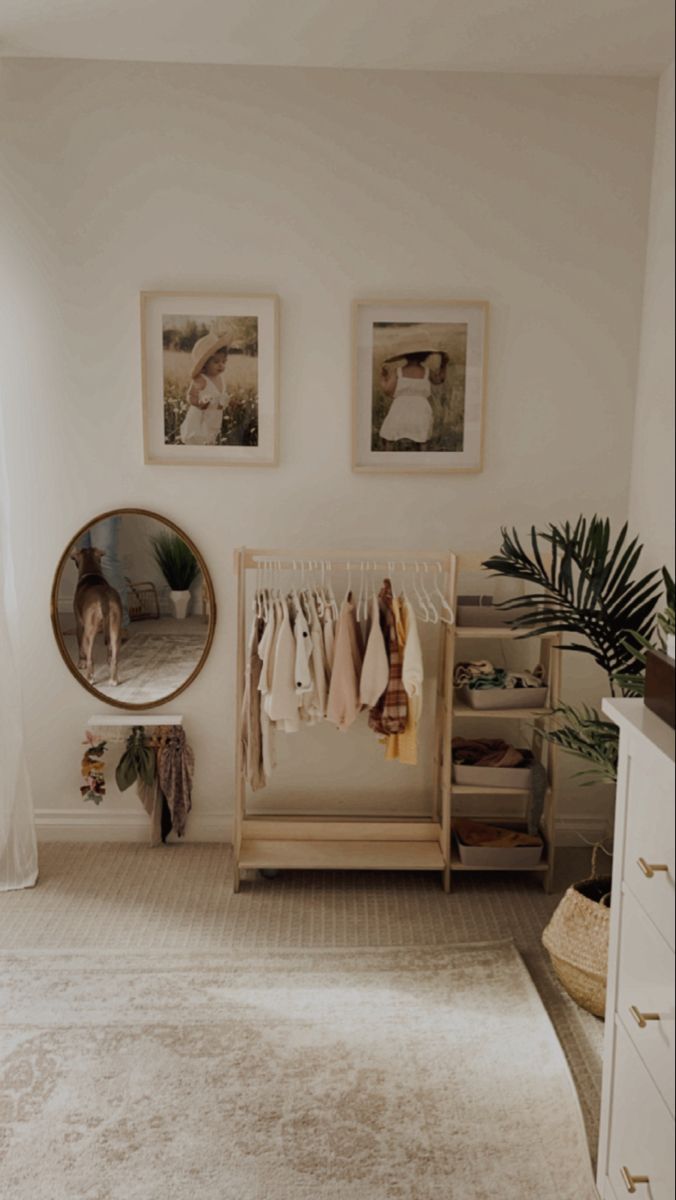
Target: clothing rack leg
x=240 y=783
x=554 y=676
x=446 y=705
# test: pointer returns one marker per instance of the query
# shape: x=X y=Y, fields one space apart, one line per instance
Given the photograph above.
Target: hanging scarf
x=155 y=804
x=137 y=762
x=91 y=769
x=390 y=714
x=175 y=768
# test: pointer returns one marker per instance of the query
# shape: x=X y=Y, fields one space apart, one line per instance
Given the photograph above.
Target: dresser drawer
x=642 y=1131
x=646 y=986
x=650 y=840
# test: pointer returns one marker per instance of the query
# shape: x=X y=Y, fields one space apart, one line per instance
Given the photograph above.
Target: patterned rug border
x=280 y=951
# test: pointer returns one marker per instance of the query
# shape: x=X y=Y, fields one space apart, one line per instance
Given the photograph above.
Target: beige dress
x=343 y=703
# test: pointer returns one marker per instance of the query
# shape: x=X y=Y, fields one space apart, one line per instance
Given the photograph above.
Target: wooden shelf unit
x=550 y=657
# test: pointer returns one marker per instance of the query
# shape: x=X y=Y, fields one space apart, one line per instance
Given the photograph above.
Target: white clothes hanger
x=450 y=615
x=349 y=580
x=319 y=591
x=424 y=611
x=404 y=592
x=333 y=603
x=360 y=594
x=256 y=603
x=434 y=615
x=374 y=585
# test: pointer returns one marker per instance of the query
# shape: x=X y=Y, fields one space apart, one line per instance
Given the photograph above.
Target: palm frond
x=587 y=735
x=588 y=589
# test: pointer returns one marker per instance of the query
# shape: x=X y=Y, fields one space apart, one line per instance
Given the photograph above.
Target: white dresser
x=636 y=1147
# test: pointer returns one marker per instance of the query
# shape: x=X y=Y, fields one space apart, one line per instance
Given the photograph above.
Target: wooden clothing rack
x=391 y=842
x=369 y=843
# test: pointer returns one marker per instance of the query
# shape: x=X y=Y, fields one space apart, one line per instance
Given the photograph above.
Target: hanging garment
x=175 y=769
x=137 y=761
x=282 y=701
x=343 y=702
x=314 y=701
x=404 y=746
x=265 y=650
x=266 y=654
x=375 y=670
x=138 y=765
x=252 y=731
x=329 y=639
x=412 y=670
x=390 y=714
x=301 y=633
x=155 y=803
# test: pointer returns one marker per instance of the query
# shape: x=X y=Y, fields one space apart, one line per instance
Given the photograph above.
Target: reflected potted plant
x=179 y=567
x=580 y=582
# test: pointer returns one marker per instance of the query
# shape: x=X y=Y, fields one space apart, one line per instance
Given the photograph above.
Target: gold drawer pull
x=630 y=1180
x=649 y=869
x=642 y=1018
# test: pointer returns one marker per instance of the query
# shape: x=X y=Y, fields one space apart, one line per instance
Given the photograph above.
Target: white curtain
x=18 y=847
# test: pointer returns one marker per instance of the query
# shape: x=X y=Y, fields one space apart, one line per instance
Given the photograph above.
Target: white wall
x=651 y=508
x=322 y=186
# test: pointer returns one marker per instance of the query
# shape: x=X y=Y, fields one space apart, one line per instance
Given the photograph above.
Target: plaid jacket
x=390 y=714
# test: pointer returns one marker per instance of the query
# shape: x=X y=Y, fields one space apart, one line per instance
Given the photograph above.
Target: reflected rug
x=323 y=1074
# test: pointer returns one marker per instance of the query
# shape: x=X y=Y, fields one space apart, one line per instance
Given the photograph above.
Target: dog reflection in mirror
x=98 y=609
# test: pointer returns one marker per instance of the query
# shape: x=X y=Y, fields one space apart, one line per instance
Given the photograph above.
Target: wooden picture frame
x=419 y=370
x=210 y=409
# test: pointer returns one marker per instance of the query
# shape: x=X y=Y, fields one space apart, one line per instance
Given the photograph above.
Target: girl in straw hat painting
x=206 y=396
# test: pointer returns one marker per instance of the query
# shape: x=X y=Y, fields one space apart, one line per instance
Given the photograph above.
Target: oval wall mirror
x=133 y=608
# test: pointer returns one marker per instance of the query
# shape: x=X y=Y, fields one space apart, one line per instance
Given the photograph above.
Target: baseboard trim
x=578 y=831
x=71 y=825
x=97 y=825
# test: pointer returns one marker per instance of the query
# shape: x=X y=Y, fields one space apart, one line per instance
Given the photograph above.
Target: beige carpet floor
x=179 y=899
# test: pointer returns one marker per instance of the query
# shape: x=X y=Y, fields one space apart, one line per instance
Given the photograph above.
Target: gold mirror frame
x=54 y=613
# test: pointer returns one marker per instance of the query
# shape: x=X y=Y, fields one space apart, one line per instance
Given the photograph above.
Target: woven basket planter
x=576 y=939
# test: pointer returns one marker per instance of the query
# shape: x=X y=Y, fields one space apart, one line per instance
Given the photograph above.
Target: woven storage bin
x=577 y=942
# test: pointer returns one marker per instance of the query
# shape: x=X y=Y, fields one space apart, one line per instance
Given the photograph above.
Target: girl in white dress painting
x=207 y=396
x=407 y=380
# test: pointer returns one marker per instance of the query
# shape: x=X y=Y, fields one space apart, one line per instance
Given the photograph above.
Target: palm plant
x=633 y=684
x=175 y=560
x=581 y=582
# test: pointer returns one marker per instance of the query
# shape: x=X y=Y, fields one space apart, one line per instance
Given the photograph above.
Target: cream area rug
x=321 y=1074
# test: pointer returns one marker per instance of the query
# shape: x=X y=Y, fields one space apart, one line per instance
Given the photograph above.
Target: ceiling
x=608 y=37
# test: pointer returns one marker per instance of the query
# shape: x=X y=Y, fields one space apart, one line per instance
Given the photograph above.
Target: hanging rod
x=338 y=559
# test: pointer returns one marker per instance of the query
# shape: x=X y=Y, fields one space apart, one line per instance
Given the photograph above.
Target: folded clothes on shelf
x=478 y=833
x=489 y=752
x=483 y=674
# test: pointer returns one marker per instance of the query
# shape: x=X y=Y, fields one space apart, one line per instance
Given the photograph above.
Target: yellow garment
x=403 y=746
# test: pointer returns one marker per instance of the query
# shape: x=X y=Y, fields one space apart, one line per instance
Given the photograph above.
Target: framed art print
x=209 y=379
x=419 y=381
